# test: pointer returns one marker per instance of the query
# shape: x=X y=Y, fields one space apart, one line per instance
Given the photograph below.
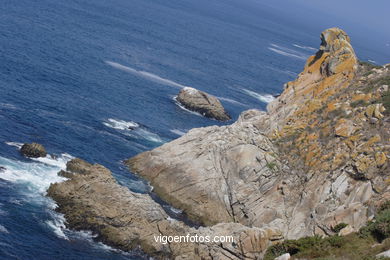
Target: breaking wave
x=133 y=129
x=146 y=75
x=36 y=177
x=178 y=132
x=120 y=124
x=185 y=109
x=304 y=47
x=287 y=52
x=266 y=98
x=18 y=145
x=231 y=101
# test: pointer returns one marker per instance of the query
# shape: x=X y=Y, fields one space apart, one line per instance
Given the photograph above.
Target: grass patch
x=363 y=245
x=339 y=227
x=272 y=166
x=385 y=100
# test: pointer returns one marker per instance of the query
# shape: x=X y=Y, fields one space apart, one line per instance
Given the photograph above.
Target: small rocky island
x=33 y=150
x=203 y=103
x=315 y=164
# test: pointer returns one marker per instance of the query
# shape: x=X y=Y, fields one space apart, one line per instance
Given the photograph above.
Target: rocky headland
x=317 y=160
x=91 y=199
x=203 y=103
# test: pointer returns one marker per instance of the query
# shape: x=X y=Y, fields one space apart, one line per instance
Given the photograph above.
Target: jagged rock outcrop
x=92 y=200
x=313 y=161
x=33 y=150
x=203 y=103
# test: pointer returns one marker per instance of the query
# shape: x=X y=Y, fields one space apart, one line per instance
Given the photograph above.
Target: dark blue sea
x=76 y=74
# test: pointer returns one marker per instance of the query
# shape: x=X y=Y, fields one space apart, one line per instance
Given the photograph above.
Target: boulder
x=91 y=199
x=203 y=103
x=33 y=150
x=286 y=256
x=384 y=254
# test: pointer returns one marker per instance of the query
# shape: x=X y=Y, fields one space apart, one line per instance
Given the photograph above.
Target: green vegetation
x=364 y=245
x=339 y=227
x=380 y=228
x=376 y=83
x=386 y=102
x=272 y=166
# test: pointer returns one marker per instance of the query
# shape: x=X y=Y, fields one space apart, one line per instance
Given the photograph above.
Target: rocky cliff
x=317 y=158
x=91 y=199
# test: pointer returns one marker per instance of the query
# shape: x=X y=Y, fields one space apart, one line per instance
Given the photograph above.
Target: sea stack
x=33 y=150
x=203 y=103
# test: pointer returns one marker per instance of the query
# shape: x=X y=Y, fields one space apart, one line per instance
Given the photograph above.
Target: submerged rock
x=33 y=150
x=2 y=169
x=92 y=200
x=203 y=103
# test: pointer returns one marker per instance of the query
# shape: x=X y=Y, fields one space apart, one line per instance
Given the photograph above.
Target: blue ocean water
x=76 y=74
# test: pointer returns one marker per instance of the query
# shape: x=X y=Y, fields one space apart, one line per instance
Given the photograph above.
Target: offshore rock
x=33 y=150
x=203 y=103
x=92 y=200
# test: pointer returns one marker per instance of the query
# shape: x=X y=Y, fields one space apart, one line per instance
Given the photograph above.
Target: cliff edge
x=317 y=158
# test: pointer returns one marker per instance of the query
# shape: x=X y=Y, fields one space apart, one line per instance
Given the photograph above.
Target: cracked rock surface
x=91 y=199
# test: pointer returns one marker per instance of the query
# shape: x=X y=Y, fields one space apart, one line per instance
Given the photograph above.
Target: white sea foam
x=120 y=124
x=8 y=106
x=57 y=224
x=176 y=211
x=185 y=109
x=178 y=132
x=287 y=52
x=3 y=229
x=146 y=75
x=148 y=135
x=305 y=47
x=59 y=162
x=88 y=237
x=18 y=145
x=372 y=61
x=266 y=98
x=231 y=101
x=37 y=176
x=133 y=129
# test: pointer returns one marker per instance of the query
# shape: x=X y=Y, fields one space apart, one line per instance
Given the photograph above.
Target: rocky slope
x=317 y=158
x=203 y=103
x=92 y=200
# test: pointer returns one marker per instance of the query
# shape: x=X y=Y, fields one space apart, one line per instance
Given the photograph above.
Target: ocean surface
x=76 y=74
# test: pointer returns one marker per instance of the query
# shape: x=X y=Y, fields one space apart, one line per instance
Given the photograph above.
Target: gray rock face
x=282 y=169
x=33 y=150
x=213 y=172
x=92 y=200
x=203 y=103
